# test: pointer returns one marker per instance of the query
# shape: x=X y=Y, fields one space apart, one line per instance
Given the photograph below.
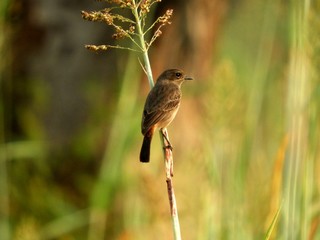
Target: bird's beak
x=188 y=78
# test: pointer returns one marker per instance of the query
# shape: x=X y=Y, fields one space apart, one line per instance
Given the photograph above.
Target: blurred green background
x=246 y=139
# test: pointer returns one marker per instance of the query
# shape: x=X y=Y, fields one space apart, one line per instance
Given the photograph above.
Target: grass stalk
x=138 y=29
x=112 y=162
x=168 y=157
x=168 y=160
x=298 y=117
x=273 y=224
x=147 y=65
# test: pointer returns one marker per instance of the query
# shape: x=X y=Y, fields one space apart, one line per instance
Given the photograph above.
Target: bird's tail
x=145 y=149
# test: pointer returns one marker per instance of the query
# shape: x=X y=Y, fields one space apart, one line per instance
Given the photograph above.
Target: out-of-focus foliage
x=246 y=138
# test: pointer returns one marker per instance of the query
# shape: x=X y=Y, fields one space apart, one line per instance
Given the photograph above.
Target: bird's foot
x=168 y=147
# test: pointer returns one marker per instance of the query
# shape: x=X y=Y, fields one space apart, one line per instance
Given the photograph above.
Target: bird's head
x=174 y=75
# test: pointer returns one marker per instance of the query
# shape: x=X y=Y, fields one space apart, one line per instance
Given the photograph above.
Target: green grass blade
x=273 y=224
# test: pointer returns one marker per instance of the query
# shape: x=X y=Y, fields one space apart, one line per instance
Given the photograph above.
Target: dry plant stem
x=167 y=151
x=168 y=159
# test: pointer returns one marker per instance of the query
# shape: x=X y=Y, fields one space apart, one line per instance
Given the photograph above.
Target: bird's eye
x=178 y=75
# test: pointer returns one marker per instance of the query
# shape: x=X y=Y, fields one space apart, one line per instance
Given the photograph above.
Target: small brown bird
x=161 y=107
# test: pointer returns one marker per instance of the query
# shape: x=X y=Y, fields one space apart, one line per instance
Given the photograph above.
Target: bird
x=161 y=107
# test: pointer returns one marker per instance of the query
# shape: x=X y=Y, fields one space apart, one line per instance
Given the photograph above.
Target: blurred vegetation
x=246 y=139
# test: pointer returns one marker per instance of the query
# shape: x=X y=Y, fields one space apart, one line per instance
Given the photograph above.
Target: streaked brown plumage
x=161 y=106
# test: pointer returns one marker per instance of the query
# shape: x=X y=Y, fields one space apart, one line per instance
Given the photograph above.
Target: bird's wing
x=158 y=105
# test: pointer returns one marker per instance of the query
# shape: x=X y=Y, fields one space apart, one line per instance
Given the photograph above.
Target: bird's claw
x=168 y=147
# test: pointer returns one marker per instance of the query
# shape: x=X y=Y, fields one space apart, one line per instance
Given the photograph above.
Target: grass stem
x=168 y=159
